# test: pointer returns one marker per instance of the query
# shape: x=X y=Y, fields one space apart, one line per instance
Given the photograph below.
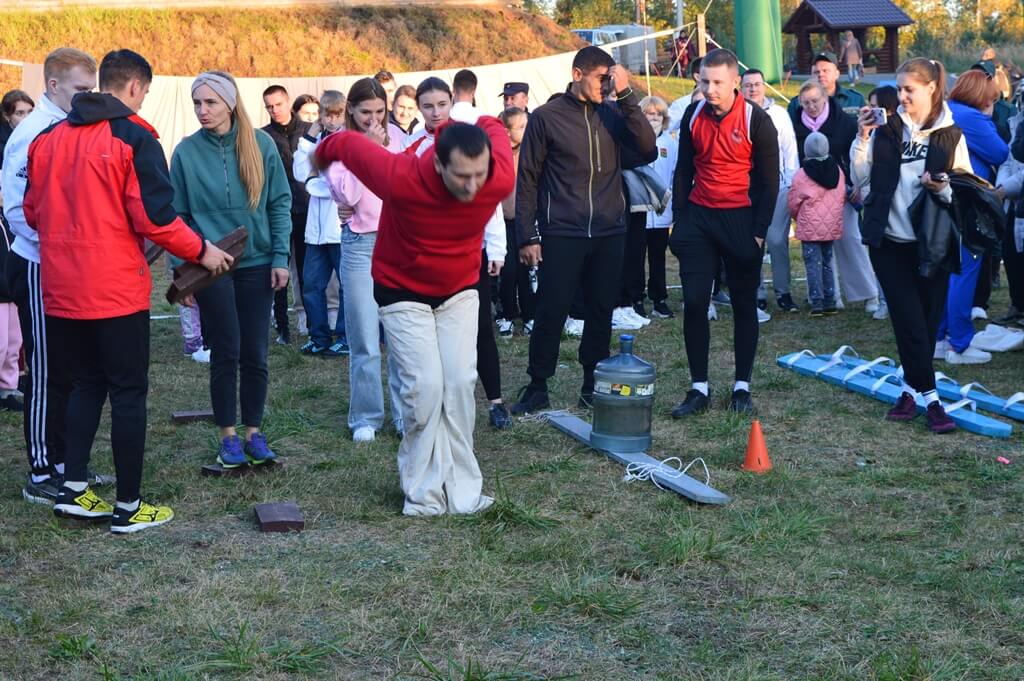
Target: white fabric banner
x=168 y=107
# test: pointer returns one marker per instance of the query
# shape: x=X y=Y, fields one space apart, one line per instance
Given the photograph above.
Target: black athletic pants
x=570 y=264
x=1014 y=263
x=633 y=260
x=46 y=393
x=298 y=241
x=488 y=365
x=106 y=357
x=515 y=293
x=915 y=308
x=233 y=311
x=710 y=237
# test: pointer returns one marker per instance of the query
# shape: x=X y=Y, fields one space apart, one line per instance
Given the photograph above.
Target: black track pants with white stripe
x=46 y=398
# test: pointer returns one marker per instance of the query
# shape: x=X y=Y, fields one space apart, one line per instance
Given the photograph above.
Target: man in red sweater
x=97 y=187
x=426 y=265
x=725 y=187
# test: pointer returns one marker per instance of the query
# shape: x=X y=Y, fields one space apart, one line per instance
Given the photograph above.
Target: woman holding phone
x=912 y=153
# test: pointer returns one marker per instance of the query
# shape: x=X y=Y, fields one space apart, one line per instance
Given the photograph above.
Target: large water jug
x=623 y=401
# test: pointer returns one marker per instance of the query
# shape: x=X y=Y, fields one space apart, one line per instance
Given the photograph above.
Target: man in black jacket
x=725 y=188
x=286 y=130
x=569 y=212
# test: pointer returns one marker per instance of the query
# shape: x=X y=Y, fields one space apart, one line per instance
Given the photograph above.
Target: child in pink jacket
x=816 y=201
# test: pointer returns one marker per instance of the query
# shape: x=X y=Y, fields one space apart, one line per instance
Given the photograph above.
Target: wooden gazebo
x=834 y=17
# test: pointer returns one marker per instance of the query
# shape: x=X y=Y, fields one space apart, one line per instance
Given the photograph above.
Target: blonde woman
x=225 y=175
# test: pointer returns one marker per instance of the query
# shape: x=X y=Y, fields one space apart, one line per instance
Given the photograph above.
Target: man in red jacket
x=426 y=266
x=97 y=188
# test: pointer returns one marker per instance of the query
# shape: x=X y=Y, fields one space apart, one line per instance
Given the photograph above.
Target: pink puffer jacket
x=818 y=211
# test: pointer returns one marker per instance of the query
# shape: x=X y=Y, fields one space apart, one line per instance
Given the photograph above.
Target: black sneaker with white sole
x=44 y=492
x=661 y=310
x=695 y=402
x=84 y=505
x=142 y=518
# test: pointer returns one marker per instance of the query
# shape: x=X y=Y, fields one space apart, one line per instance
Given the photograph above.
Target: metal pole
x=647 y=54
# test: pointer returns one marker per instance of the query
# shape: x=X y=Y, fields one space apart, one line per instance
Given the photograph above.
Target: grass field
x=872 y=551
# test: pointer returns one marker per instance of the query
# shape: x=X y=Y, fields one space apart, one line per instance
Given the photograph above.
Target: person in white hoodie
x=912 y=153
x=659 y=224
x=67 y=72
x=777 y=243
x=323 y=233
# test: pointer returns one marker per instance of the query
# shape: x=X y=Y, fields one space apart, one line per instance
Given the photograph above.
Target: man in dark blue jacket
x=569 y=212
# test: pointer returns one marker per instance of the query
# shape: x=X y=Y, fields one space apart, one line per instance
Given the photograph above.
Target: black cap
x=515 y=89
x=825 y=56
x=986 y=66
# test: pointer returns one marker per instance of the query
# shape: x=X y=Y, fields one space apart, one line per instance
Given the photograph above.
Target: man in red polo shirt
x=726 y=185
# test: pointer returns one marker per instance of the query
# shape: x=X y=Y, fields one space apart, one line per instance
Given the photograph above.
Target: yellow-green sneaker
x=145 y=516
x=84 y=505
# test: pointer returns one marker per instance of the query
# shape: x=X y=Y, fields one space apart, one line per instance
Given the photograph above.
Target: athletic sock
x=59 y=467
x=702 y=388
x=929 y=397
x=76 y=486
x=129 y=505
x=741 y=385
x=36 y=479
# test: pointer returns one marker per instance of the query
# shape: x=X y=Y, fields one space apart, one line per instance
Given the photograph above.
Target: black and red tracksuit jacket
x=727 y=162
x=98 y=187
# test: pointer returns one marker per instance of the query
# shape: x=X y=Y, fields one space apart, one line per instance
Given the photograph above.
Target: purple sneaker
x=905 y=409
x=258 y=451
x=938 y=420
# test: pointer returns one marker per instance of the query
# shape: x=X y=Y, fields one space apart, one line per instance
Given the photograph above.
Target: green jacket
x=210 y=197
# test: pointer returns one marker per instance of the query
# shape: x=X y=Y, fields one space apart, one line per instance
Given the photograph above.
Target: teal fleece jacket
x=210 y=197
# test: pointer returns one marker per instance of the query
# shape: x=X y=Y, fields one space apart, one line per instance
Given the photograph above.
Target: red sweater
x=723 y=156
x=428 y=242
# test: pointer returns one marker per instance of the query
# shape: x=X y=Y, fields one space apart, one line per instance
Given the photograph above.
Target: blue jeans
x=956 y=319
x=362 y=321
x=321 y=261
x=820 y=281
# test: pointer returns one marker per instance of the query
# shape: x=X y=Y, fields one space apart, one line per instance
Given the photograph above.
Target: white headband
x=224 y=88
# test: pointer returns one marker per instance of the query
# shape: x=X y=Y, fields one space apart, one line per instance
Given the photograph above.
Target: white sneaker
x=839 y=303
x=712 y=312
x=871 y=307
x=364 y=434
x=978 y=313
x=942 y=347
x=968 y=356
x=303 y=327
x=882 y=312
x=636 y=317
x=202 y=355
x=505 y=328
x=623 y=321
x=763 y=316
x=574 y=327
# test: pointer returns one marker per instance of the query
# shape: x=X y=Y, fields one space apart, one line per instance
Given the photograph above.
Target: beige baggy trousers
x=435 y=354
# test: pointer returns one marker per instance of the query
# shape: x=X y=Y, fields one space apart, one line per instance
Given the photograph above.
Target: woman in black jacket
x=819 y=113
x=902 y=160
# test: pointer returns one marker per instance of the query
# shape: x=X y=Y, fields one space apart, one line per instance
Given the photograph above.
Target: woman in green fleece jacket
x=228 y=175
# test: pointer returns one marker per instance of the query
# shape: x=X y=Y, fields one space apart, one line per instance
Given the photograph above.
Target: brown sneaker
x=905 y=409
x=938 y=420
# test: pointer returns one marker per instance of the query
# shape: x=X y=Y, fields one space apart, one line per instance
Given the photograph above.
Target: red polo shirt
x=723 y=157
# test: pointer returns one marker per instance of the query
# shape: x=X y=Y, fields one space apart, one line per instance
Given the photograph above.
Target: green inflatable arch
x=759 y=36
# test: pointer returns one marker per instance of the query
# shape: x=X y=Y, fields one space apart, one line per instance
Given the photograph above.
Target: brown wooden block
x=215 y=470
x=191 y=277
x=191 y=416
x=283 y=516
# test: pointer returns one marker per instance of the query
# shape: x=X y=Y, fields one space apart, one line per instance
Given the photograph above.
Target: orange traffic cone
x=757 y=460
